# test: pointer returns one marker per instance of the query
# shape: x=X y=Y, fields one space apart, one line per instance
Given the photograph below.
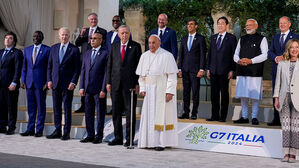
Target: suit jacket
x=68 y=71
x=108 y=40
x=193 y=60
x=93 y=77
x=35 y=74
x=275 y=49
x=282 y=82
x=83 y=40
x=221 y=61
x=123 y=72
x=169 y=41
x=11 y=67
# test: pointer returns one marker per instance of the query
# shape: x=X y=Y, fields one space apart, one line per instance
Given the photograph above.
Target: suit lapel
x=128 y=50
x=96 y=57
x=7 y=55
x=117 y=53
x=290 y=36
x=30 y=52
x=67 y=53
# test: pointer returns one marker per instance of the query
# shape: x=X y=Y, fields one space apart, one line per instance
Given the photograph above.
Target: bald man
x=157 y=72
x=63 y=73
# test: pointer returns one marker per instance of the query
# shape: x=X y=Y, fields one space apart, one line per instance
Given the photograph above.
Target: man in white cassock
x=157 y=72
x=250 y=54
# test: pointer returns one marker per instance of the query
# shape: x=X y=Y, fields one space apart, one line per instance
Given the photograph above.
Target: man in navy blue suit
x=112 y=35
x=275 y=53
x=63 y=73
x=83 y=40
x=93 y=87
x=10 y=73
x=34 y=80
x=191 y=67
x=167 y=35
x=220 y=67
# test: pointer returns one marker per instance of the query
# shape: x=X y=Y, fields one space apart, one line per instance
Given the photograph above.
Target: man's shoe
x=274 y=123
x=54 y=135
x=184 y=116
x=115 y=142
x=10 y=132
x=222 y=120
x=241 y=121
x=65 y=137
x=193 y=117
x=87 y=139
x=38 y=134
x=27 y=133
x=128 y=144
x=159 y=148
x=211 y=119
x=80 y=110
x=255 y=121
x=97 y=141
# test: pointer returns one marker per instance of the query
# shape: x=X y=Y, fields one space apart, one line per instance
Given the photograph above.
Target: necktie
x=122 y=54
x=281 y=41
x=190 y=43
x=219 y=42
x=161 y=34
x=34 y=55
x=93 y=56
x=90 y=34
x=61 y=54
x=3 y=56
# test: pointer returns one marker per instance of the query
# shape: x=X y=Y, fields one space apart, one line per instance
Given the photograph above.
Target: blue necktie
x=281 y=41
x=4 y=54
x=93 y=56
x=161 y=34
x=219 y=42
x=190 y=43
x=61 y=54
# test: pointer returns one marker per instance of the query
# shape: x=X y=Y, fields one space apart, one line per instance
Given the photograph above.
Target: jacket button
x=291 y=92
x=292 y=85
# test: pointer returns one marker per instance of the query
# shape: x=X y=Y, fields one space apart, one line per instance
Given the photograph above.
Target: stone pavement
x=119 y=156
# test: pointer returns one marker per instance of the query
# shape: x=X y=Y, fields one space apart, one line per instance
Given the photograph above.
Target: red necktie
x=122 y=54
x=90 y=34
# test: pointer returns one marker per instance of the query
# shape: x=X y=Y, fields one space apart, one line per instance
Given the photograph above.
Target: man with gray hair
x=157 y=72
x=62 y=77
x=250 y=54
x=83 y=40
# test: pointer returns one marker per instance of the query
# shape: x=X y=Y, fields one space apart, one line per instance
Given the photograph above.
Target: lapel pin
x=129 y=46
x=291 y=36
x=194 y=38
x=40 y=52
x=167 y=31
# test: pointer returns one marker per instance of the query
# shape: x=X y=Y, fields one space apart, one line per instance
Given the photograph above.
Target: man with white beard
x=250 y=54
x=157 y=72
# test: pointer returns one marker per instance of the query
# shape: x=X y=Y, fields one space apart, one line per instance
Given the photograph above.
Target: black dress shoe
x=211 y=119
x=159 y=148
x=97 y=141
x=242 y=121
x=115 y=142
x=54 y=135
x=184 y=116
x=222 y=120
x=27 y=133
x=128 y=144
x=80 y=110
x=193 y=117
x=255 y=121
x=87 y=139
x=274 y=123
x=38 y=134
x=65 y=137
x=10 y=132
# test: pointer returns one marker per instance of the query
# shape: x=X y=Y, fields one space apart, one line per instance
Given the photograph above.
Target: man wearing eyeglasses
x=84 y=41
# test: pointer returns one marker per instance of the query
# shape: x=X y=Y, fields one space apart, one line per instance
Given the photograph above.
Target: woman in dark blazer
x=286 y=94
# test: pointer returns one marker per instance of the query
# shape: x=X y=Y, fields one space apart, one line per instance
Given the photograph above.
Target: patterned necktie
x=190 y=43
x=219 y=42
x=281 y=41
x=161 y=34
x=34 y=55
x=90 y=34
x=93 y=56
x=122 y=54
x=3 y=56
x=61 y=54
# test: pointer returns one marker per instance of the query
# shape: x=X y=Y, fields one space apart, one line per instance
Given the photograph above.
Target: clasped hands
x=244 y=61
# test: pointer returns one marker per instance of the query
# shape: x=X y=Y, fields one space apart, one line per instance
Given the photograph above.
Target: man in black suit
x=84 y=41
x=10 y=73
x=122 y=63
x=191 y=67
x=93 y=87
x=220 y=68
